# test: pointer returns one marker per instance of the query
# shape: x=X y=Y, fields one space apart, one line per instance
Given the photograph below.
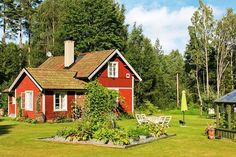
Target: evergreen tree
x=142 y=57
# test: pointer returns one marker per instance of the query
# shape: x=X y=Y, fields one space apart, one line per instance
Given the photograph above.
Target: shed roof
x=229 y=98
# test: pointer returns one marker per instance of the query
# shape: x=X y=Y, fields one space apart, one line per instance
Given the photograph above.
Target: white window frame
x=27 y=107
x=112 y=65
x=60 y=102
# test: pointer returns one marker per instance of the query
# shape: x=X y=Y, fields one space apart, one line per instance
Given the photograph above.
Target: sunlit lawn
x=19 y=139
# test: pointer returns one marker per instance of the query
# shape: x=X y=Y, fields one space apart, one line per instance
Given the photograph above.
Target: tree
x=193 y=62
x=11 y=63
x=45 y=28
x=143 y=58
x=7 y=15
x=225 y=40
x=203 y=23
x=95 y=25
x=28 y=9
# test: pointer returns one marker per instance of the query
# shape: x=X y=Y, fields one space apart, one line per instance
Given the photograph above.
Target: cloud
x=169 y=26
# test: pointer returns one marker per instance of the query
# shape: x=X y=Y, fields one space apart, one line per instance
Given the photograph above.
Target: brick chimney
x=69 y=53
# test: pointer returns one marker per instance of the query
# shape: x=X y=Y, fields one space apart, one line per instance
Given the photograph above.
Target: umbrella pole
x=183 y=117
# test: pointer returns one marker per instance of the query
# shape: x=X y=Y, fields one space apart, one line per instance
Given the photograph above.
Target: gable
x=116 y=52
x=87 y=64
x=19 y=77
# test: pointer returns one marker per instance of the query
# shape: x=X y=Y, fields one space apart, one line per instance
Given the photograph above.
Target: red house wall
x=27 y=84
x=123 y=84
x=49 y=102
x=11 y=106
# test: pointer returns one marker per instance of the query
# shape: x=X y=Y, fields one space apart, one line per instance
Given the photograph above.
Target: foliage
x=3 y=102
x=100 y=101
x=141 y=55
x=18 y=100
x=76 y=110
x=154 y=129
x=66 y=132
x=125 y=115
x=62 y=119
x=38 y=103
x=135 y=133
x=95 y=25
x=148 y=108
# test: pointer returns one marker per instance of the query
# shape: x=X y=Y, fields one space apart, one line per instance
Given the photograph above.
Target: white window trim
x=26 y=106
x=54 y=101
x=117 y=69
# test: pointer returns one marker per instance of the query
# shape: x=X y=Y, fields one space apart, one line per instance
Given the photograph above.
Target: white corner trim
x=132 y=94
x=108 y=58
x=54 y=102
x=43 y=103
x=19 y=76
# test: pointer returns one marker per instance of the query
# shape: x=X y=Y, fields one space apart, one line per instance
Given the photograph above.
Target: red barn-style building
x=60 y=80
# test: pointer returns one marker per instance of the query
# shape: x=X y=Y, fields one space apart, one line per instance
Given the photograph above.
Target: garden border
x=99 y=143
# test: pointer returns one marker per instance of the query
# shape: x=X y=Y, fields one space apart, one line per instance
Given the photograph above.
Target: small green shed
x=226 y=116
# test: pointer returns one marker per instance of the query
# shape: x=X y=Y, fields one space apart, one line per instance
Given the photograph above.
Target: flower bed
x=101 y=143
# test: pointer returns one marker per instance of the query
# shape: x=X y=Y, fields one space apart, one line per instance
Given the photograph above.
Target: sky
x=168 y=20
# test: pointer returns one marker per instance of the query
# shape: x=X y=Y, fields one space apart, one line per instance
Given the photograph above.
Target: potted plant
x=39 y=116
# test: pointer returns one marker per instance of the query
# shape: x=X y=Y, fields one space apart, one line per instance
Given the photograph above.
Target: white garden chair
x=141 y=118
x=167 y=121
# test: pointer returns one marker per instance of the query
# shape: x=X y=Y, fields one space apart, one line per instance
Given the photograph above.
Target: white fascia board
x=108 y=58
x=19 y=76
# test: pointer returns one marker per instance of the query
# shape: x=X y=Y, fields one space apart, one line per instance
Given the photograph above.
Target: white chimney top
x=69 y=52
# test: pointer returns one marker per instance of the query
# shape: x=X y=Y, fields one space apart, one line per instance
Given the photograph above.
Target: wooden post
x=217 y=116
x=228 y=109
x=177 y=89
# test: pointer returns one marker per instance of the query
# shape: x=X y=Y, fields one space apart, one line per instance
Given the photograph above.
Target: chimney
x=69 y=53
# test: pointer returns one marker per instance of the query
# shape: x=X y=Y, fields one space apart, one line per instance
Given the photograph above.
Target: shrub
x=117 y=136
x=154 y=129
x=66 y=132
x=100 y=101
x=38 y=103
x=125 y=115
x=18 y=99
x=137 y=132
x=62 y=119
x=148 y=108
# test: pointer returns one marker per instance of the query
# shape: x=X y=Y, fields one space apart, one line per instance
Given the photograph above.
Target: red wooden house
x=61 y=79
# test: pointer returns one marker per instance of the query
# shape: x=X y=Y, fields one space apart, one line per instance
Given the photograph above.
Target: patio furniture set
x=161 y=120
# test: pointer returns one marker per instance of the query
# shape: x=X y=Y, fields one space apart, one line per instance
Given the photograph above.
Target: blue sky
x=168 y=19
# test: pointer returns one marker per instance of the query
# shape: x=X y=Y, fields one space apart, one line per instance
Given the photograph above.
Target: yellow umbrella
x=184 y=104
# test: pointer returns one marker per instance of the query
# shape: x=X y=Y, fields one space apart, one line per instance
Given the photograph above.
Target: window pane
x=57 y=103
x=29 y=100
x=63 y=97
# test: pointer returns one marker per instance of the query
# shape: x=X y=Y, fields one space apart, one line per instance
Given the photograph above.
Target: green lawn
x=19 y=139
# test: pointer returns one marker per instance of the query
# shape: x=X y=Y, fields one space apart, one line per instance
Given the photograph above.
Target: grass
x=19 y=139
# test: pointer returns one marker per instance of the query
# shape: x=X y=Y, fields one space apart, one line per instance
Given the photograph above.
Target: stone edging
x=100 y=143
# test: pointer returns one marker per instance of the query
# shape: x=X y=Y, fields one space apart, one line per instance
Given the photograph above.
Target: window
x=113 y=69
x=60 y=102
x=28 y=100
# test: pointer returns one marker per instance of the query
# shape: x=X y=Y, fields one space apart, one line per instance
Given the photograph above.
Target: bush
x=148 y=108
x=117 y=136
x=62 y=119
x=154 y=129
x=125 y=115
x=66 y=132
x=137 y=132
x=100 y=101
